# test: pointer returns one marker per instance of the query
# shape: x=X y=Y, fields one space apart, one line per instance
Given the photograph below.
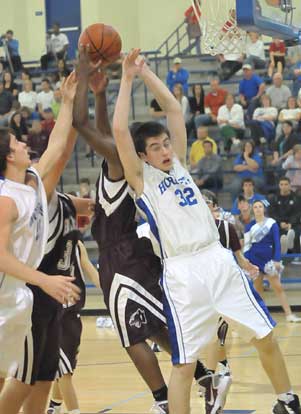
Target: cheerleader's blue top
x=262 y=242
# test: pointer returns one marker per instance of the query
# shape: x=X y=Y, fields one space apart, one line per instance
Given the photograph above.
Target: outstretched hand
x=133 y=64
x=68 y=87
x=85 y=68
x=98 y=81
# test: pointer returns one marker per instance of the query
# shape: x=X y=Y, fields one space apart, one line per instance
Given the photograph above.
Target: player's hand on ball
x=85 y=68
x=61 y=288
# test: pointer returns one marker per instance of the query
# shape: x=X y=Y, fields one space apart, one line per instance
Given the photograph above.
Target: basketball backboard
x=276 y=18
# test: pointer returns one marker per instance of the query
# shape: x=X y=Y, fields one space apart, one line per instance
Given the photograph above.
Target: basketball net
x=220 y=33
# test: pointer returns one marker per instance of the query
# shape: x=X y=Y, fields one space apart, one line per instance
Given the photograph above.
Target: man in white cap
x=177 y=74
x=251 y=87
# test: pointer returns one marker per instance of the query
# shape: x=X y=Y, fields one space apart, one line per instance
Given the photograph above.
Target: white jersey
x=177 y=214
x=27 y=243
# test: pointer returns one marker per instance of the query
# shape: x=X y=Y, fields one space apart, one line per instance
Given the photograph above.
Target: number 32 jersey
x=179 y=218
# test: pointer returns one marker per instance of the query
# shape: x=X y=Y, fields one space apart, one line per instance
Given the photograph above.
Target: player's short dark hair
x=4 y=148
x=210 y=196
x=284 y=178
x=45 y=80
x=142 y=131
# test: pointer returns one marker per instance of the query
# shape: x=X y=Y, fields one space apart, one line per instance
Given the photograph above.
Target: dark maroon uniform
x=228 y=235
x=129 y=270
x=54 y=340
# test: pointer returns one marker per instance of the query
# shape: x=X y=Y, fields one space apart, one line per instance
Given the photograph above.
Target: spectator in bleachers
x=248 y=192
x=230 y=63
x=62 y=72
x=56 y=104
x=248 y=164
x=263 y=123
x=25 y=75
x=177 y=74
x=244 y=217
x=196 y=104
x=293 y=55
x=183 y=100
x=196 y=101
x=18 y=125
x=37 y=140
x=12 y=49
x=209 y=168
x=48 y=122
x=283 y=147
x=291 y=113
x=1 y=71
x=251 y=88
x=85 y=190
x=26 y=115
x=285 y=208
x=255 y=54
x=278 y=92
x=213 y=101
x=296 y=78
x=9 y=84
x=57 y=46
x=197 y=149
x=6 y=102
x=156 y=112
x=45 y=97
x=230 y=119
x=277 y=56
x=294 y=161
x=193 y=28
x=28 y=97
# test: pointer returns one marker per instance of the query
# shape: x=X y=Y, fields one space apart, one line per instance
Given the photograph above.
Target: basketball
x=104 y=42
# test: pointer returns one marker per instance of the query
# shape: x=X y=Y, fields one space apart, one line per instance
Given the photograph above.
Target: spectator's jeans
x=296 y=87
x=235 y=186
x=203 y=119
x=228 y=68
x=194 y=42
x=255 y=62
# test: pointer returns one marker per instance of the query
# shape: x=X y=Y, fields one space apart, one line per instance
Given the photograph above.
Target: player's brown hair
x=142 y=131
x=4 y=148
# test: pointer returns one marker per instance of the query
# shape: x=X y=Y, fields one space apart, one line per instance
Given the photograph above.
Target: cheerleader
x=262 y=248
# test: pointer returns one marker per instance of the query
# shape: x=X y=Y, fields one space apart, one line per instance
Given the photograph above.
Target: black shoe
x=291 y=408
x=216 y=389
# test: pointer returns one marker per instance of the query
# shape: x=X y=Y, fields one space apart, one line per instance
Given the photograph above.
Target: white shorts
x=15 y=322
x=200 y=288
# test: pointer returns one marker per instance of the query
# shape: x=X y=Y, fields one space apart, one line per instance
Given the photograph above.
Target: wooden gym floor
x=107 y=381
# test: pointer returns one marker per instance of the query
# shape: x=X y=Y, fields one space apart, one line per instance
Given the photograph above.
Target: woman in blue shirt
x=262 y=248
x=248 y=164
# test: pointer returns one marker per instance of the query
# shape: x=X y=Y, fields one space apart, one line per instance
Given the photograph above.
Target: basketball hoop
x=219 y=28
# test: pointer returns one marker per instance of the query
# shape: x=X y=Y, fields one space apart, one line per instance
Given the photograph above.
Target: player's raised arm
x=51 y=180
x=99 y=137
x=172 y=109
x=60 y=133
x=132 y=165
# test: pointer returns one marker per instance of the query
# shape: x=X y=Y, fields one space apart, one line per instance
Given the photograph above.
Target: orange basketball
x=104 y=42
